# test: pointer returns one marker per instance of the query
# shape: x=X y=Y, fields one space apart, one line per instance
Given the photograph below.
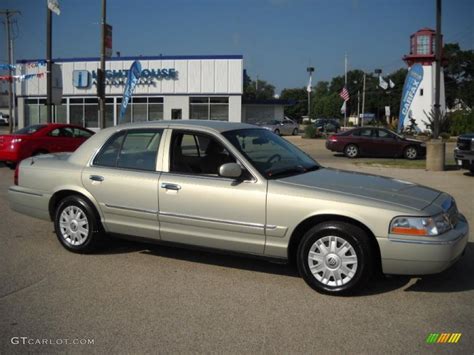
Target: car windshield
x=30 y=129
x=270 y=154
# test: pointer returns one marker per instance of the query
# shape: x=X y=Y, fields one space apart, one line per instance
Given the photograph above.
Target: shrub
x=311 y=132
x=445 y=136
x=462 y=121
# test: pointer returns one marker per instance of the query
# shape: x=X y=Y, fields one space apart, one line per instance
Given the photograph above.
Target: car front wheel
x=335 y=258
x=76 y=225
x=295 y=132
x=411 y=153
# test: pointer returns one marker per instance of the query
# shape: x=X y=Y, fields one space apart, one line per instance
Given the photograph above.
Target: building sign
x=83 y=79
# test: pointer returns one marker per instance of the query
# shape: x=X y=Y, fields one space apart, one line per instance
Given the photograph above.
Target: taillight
x=17 y=172
x=333 y=139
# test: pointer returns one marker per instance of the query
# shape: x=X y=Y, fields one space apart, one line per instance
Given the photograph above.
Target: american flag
x=344 y=94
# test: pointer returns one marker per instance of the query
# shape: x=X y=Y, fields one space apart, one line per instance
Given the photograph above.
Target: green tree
x=300 y=97
x=258 y=89
x=458 y=74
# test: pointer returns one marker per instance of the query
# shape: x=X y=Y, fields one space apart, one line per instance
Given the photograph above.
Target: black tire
x=472 y=171
x=410 y=153
x=358 y=245
x=92 y=240
x=277 y=132
x=351 y=151
x=295 y=132
x=11 y=165
x=39 y=152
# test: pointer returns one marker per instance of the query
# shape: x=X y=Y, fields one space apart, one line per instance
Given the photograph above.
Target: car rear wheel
x=351 y=151
x=295 y=132
x=410 y=153
x=77 y=225
x=335 y=258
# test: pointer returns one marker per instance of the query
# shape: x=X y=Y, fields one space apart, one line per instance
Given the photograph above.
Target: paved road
x=141 y=298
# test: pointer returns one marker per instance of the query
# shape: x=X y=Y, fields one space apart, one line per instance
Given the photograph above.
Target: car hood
x=413 y=140
x=373 y=187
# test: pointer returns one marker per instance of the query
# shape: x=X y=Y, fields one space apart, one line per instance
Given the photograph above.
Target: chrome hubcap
x=74 y=225
x=351 y=151
x=332 y=261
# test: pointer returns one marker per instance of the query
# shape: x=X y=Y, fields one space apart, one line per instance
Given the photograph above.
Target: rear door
x=80 y=136
x=60 y=139
x=123 y=178
x=364 y=139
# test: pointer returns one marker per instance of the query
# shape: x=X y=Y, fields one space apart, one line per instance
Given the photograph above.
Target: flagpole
x=363 y=104
x=345 y=84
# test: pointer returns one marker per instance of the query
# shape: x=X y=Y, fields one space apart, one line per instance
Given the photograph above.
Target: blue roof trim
x=153 y=57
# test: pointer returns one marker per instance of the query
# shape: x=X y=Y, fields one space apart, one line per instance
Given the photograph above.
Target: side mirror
x=230 y=170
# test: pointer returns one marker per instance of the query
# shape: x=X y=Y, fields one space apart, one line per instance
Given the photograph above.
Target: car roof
x=219 y=126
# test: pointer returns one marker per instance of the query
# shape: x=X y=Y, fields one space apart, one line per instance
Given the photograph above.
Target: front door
x=387 y=143
x=124 y=181
x=199 y=207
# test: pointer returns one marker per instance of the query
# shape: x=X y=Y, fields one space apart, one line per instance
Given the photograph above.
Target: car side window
x=385 y=134
x=367 y=132
x=81 y=133
x=134 y=149
x=61 y=132
x=196 y=153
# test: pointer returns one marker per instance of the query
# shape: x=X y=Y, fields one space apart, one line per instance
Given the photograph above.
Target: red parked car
x=41 y=139
x=372 y=141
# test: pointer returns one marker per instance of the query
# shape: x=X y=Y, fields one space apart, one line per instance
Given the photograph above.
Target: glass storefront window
x=139 y=112
x=76 y=114
x=155 y=112
x=91 y=115
x=209 y=108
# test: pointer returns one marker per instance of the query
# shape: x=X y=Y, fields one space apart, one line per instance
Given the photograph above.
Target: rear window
x=31 y=129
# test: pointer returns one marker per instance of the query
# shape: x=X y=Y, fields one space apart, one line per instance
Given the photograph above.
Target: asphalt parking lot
x=143 y=298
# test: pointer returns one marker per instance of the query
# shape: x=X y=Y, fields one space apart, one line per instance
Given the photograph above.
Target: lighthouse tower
x=422 y=51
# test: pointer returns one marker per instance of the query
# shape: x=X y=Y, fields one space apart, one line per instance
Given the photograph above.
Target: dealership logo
x=443 y=338
x=83 y=79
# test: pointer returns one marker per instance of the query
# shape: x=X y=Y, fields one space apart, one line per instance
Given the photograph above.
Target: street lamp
x=310 y=71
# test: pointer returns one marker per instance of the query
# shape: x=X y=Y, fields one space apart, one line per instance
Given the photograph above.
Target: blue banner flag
x=132 y=80
x=412 y=82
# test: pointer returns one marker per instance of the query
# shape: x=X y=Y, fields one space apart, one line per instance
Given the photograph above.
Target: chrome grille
x=464 y=143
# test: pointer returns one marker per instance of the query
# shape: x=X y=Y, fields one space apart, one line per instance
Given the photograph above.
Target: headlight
x=428 y=226
x=423 y=145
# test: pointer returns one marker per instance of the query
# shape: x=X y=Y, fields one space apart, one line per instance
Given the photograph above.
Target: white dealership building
x=170 y=87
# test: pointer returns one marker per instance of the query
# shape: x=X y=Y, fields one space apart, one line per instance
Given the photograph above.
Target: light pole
x=101 y=76
x=310 y=71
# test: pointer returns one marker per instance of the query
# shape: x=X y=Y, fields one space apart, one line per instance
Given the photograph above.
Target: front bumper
x=402 y=255
x=464 y=158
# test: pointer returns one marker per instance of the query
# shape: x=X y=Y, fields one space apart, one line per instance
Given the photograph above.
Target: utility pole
x=49 y=51
x=101 y=76
x=9 y=14
x=363 y=103
x=438 y=70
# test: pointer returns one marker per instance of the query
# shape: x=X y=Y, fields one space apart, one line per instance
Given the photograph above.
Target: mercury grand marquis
x=240 y=188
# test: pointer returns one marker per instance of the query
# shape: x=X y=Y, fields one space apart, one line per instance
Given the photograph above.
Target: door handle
x=168 y=186
x=96 y=178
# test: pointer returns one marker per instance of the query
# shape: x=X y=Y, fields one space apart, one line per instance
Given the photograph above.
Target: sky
x=278 y=38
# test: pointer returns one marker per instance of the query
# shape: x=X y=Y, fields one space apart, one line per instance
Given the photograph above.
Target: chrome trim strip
x=429 y=242
x=205 y=219
x=25 y=192
x=131 y=209
x=271 y=226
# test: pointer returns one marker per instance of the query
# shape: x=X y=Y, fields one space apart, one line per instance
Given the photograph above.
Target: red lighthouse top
x=422 y=47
